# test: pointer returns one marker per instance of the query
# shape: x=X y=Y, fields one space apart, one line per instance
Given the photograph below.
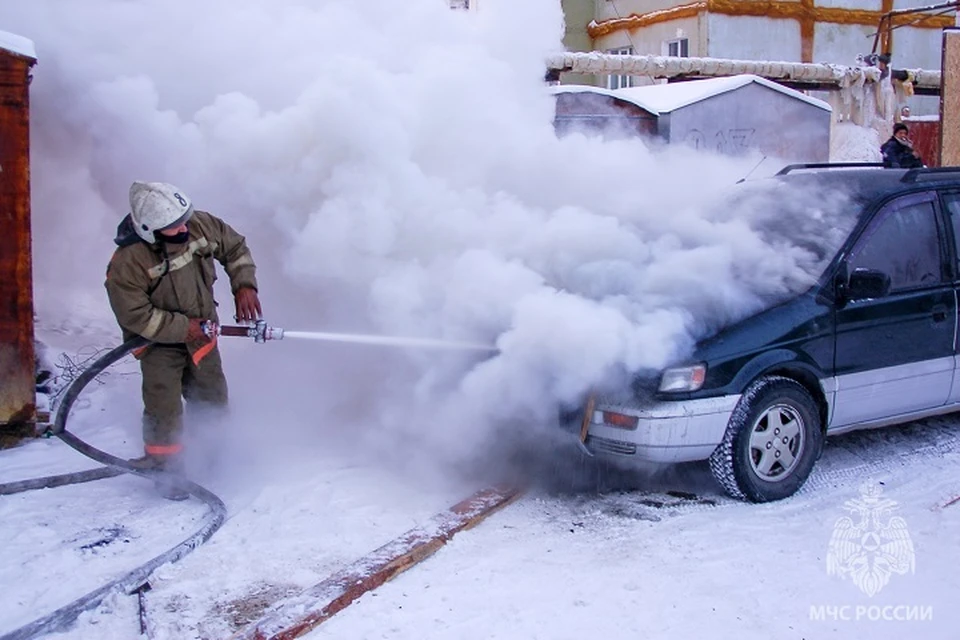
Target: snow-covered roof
x=18 y=45
x=669 y=97
x=583 y=88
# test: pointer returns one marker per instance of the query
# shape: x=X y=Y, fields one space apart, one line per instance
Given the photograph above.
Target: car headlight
x=689 y=378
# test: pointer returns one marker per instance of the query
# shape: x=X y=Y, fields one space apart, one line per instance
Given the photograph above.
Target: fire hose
x=134 y=580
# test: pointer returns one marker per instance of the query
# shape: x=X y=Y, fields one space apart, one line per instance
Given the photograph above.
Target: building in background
x=823 y=31
x=828 y=31
x=578 y=15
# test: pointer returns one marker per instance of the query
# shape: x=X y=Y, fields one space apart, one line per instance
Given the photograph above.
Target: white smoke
x=394 y=167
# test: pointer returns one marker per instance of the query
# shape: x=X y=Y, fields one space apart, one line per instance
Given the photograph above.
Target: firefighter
x=160 y=285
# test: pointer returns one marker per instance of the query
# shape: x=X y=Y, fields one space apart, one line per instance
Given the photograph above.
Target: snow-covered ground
x=623 y=556
x=395 y=169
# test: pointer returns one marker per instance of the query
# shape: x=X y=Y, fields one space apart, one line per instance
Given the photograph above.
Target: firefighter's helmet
x=155 y=206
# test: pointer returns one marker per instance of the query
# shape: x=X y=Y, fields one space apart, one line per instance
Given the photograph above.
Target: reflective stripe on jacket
x=154 y=295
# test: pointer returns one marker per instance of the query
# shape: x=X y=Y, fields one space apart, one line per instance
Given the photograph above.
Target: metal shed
x=17 y=357
x=730 y=115
x=735 y=114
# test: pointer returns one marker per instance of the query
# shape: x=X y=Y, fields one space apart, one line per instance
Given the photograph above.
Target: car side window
x=952 y=203
x=902 y=242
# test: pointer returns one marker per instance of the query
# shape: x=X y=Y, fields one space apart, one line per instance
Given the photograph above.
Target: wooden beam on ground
x=947 y=502
x=302 y=613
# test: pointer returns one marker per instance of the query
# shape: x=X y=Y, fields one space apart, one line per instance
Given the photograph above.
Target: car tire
x=773 y=439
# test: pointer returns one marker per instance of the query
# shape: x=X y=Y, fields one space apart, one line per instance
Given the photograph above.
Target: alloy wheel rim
x=776 y=442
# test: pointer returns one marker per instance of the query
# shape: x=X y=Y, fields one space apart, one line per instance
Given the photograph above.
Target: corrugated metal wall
x=17 y=359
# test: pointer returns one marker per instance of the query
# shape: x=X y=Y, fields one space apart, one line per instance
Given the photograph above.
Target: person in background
x=898 y=151
x=160 y=286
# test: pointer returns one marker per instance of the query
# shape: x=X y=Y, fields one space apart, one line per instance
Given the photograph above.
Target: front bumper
x=666 y=432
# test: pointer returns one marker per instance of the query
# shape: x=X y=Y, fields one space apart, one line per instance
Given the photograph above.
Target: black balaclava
x=180 y=238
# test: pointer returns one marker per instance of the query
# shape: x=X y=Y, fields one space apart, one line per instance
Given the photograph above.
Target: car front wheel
x=772 y=441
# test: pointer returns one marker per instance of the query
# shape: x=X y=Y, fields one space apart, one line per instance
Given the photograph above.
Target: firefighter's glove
x=196 y=333
x=248 y=305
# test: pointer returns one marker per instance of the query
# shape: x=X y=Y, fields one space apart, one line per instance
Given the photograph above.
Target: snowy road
x=628 y=562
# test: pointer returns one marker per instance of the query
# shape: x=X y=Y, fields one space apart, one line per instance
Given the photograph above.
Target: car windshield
x=807 y=220
x=781 y=236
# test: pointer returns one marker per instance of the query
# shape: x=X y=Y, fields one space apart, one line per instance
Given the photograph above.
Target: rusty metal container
x=925 y=135
x=17 y=357
x=600 y=111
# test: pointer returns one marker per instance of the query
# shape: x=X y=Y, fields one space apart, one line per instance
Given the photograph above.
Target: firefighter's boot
x=168 y=479
x=170 y=487
x=147 y=462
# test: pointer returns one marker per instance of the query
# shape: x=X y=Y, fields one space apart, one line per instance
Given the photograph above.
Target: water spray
x=260 y=331
x=393 y=341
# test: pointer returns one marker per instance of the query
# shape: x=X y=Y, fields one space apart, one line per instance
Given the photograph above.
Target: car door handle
x=939 y=312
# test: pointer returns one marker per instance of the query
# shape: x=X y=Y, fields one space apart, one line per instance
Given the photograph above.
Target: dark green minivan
x=872 y=343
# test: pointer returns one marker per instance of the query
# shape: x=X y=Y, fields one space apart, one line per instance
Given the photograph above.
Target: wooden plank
x=587 y=417
x=947 y=502
x=302 y=613
x=950 y=99
x=17 y=365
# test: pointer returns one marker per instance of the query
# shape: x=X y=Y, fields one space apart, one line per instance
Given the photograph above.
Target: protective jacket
x=154 y=289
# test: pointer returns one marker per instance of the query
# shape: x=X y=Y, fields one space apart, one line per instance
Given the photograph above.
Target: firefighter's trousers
x=170 y=374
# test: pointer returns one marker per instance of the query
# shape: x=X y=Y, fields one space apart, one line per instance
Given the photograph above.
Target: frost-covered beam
x=823 y=76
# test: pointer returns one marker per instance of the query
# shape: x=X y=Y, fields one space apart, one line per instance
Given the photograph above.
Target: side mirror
x=867 y=283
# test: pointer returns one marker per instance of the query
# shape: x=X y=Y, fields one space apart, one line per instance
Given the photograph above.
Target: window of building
x=619 y=82
x=679 y=48
x=460 y=4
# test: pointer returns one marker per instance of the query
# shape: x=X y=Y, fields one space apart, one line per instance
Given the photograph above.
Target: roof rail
x=826 y=165
x=915 y=175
